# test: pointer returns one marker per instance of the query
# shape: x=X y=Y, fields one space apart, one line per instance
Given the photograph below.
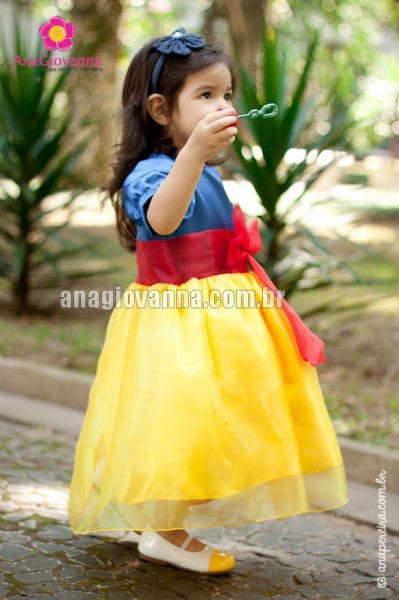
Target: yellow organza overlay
x=212 y=404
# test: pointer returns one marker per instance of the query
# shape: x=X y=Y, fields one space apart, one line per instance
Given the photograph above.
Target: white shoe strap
x=187 y=541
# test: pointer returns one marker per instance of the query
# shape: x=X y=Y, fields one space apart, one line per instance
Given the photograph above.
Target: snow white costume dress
x=218 y=402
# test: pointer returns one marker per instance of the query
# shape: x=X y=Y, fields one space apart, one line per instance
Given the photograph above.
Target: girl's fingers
x=221 y=114
x=223 y=123
x=228 y=132
x=226 y=135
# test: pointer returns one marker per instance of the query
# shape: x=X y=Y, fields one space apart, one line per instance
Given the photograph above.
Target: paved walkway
x=319 y=555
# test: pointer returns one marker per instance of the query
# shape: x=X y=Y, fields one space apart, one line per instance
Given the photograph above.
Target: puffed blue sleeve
x=137 y=193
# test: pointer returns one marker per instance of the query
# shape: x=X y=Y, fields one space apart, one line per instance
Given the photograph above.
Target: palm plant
x=33 y=166
x=261 y=159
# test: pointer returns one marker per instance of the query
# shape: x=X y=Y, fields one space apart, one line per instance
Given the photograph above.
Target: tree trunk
x=21 y=285
x=245 y=22
x=92 y=93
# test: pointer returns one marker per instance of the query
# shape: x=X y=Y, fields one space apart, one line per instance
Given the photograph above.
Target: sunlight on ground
x=45 y=500
x=372 y=234
x=49 y=501
x=325 y=207
x=243 y=193
x=385 y=306
x=87 y=210
x=321 y=209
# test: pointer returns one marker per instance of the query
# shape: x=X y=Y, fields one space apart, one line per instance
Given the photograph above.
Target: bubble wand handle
x=266 y=112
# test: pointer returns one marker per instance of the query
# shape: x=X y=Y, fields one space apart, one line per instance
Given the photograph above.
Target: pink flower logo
x=57 y=34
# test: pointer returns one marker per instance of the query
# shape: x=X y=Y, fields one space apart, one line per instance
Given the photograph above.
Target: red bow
x=246 y=241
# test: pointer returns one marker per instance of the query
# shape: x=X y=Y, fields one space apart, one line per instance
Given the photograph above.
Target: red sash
x=204 y=253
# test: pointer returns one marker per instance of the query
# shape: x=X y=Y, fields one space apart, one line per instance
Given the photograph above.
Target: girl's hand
x=213 y=133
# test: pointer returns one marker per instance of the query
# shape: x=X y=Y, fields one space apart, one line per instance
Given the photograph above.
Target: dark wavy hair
x=140 y=134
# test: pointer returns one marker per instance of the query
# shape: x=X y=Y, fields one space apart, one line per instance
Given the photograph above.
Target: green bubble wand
x=266 y=112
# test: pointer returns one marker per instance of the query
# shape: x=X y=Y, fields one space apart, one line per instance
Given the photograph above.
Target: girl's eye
x=228 y=96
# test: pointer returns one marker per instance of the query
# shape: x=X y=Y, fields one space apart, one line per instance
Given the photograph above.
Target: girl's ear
x=156 y=106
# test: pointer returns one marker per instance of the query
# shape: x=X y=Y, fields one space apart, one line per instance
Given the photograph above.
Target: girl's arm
x=170 y=202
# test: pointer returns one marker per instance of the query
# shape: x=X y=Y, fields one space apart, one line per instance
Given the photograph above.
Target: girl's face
x=202 y=93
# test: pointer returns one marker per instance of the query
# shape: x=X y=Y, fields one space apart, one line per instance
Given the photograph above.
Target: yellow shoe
x=155 y=548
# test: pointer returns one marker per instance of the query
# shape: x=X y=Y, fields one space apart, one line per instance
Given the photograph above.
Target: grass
x=360 y=381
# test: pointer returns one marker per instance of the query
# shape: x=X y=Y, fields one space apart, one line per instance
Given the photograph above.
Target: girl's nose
x=227 y=106
x=223 y=105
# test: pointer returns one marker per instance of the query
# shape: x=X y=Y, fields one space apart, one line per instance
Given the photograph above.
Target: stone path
x=318 y=555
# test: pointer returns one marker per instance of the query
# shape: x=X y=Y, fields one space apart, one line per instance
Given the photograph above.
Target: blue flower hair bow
x=178 y=43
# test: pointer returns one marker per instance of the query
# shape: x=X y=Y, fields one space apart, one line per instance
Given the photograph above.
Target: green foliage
x=358 y=37
x=33 y=166
x=299 y=258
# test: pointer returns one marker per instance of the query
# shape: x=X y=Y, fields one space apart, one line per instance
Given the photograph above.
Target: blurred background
x=322 y=177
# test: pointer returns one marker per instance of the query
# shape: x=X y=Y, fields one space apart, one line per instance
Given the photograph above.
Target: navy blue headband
x=178 y=43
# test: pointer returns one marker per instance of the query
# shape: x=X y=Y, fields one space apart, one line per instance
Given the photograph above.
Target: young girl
x=205 y=410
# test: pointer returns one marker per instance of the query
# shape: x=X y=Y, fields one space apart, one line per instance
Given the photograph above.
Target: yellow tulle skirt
x=202 y=417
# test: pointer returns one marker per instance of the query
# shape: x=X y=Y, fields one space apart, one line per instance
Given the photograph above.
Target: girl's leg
x=177 y=536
